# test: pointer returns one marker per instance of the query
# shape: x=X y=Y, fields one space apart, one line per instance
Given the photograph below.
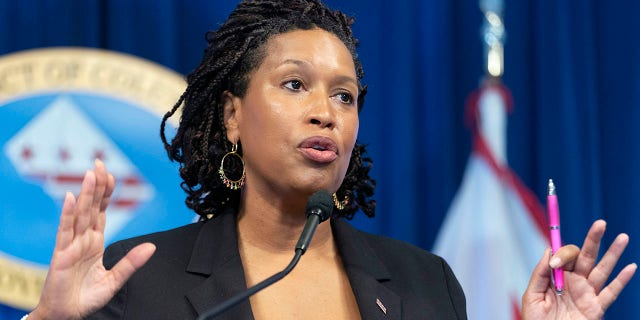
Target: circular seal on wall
x=60 y=109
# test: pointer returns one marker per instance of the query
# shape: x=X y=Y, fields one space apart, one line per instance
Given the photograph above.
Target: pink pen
x=554 y=229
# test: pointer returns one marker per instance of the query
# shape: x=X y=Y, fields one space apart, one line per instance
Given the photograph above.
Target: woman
x=270 y=117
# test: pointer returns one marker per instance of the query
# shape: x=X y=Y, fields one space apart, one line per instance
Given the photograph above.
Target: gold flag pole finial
x=493 y=35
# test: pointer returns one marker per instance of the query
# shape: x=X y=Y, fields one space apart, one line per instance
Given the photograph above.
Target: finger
x=98 y=218
x=101 y=184
x=130 y=263
x=565 y=257
x=83 y=205
x=613 y=290
x=101 y=181
x=108 y=192
x=540 y=278
x=67 y=219
x=105 y=202
x=599 y=275
x=589 y=253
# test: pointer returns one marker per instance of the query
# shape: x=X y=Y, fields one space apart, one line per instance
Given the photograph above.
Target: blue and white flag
x=493 y=234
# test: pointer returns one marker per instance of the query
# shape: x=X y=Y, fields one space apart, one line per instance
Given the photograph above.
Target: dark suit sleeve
x=455 y=292
x=115 y=309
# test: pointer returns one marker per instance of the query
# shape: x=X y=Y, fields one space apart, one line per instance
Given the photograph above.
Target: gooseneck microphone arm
x=319 y=208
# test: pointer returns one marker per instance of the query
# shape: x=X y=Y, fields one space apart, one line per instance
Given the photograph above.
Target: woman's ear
x=232 y=115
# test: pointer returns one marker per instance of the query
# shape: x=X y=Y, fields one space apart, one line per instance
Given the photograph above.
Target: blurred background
x=572 y=67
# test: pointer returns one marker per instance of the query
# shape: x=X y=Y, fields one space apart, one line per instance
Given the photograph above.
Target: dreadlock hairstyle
x=234 y=51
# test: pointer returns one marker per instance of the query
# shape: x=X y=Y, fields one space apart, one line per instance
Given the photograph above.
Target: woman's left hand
x=585 y=294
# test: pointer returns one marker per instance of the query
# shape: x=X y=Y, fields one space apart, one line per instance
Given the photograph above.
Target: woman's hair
x=235 y=50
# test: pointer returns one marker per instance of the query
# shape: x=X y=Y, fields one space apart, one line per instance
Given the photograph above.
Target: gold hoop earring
x=340 y=205
x=232 y=184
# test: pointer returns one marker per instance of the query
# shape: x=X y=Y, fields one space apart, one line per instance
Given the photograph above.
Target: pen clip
x=553 y=278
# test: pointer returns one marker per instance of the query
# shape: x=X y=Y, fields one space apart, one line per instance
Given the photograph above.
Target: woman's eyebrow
x=306 y=65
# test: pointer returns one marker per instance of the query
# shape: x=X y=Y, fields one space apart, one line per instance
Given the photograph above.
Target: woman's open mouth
x=319 y=149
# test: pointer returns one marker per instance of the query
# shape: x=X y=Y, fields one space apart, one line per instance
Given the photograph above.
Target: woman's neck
x=275 y=226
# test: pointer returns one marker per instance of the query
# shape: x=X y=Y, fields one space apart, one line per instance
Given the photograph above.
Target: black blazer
x=197 y=266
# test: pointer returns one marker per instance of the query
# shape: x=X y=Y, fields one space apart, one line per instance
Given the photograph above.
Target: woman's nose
x=322 y=113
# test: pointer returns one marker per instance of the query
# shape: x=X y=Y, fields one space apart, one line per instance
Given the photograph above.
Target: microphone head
x=320 y=203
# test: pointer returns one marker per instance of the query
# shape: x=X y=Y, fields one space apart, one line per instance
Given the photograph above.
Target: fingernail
x=554 y=262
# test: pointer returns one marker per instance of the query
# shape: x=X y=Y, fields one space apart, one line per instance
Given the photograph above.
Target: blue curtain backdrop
x=573 y=68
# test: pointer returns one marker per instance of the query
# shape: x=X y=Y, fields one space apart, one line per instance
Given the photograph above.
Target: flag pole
x=492 y=235
x=493 y=36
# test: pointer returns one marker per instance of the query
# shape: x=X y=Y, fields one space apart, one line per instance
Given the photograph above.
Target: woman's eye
x=345 y=97
x=293 y=85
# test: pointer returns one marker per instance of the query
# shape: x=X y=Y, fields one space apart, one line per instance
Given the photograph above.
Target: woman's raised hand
x=585 y=295
x=77 y=283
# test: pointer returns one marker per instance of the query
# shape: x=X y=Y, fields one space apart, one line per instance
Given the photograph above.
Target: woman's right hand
x=77 y=283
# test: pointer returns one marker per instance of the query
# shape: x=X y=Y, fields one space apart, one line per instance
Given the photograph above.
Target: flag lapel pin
x=382 y=307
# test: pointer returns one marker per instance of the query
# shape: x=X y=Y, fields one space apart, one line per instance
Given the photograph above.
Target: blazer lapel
x=367 y=274
x=215 y=255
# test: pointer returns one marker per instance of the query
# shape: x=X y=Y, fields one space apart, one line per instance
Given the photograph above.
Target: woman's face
x=298 y=120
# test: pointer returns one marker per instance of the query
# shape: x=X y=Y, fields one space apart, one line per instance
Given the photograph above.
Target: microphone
x=319 y=208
